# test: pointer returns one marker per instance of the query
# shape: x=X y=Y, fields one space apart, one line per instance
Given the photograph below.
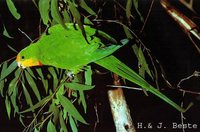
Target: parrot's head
x=29 y=57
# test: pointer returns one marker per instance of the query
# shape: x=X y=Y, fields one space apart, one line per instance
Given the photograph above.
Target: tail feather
x=113 y=64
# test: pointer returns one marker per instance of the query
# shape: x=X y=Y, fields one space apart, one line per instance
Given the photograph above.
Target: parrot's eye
x=22 y=57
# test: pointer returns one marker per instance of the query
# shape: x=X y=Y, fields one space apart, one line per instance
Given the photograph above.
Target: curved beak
x=20 y=65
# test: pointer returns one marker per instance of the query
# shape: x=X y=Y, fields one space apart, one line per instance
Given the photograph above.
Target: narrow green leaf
x=86 y=7
x=8 y=106
x=135 y=3
x=5 y=32
x=37 y=105
x=73 y=124
x=11 y=48
x=13 y=98
x=127 y=32
x=128 y=9
x=142 y=71
x=36 y=130
x=12 y=86
x=39 y=71
x=17 y=73
x=55 y=78
x=2 y=81
x=62 y=122
x=124 y=41
x=70 y=108
x=106 y=36
x=141 y=68
x=21 y=120
x=1 y=87
x=88 y=76
x=77 y=16
x=51 y=127
x=6 y=72
x=61 y=130
x=33 y=85
x=53 y=108
x=44 y=81
x=61 y=90
x=87 y=21
x=13 y=91
x=135 y=49
x=44 y=7
x=30 y=72
x=143 y=62
x=55 y=13
x=77 y=86
x=12 y=9
x=57 y=70
x=65 y=114
x=27 y=96
x=74 y=11
x=45 y=84
x=66 y=17
x=4 y=67
x=82 y=100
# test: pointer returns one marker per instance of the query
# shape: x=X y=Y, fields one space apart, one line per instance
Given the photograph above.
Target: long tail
x=113 y=64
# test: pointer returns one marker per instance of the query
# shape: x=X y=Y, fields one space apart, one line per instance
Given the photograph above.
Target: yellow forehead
x=18 y=58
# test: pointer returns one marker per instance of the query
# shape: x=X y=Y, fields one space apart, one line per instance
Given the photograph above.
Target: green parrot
x=68 y=49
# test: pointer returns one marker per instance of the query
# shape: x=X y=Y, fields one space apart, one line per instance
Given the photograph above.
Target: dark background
x=161 y=35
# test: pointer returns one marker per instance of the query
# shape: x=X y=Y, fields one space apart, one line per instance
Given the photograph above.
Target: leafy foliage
x=5 y=32
x=25 y=81
x=49 y=95
x=12 y=9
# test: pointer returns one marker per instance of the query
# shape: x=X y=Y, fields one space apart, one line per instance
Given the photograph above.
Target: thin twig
x=126 y=87
x=182 y=116
x=7 y=60
x=148 y=14
x=25 y=35
x=97 y=116
x=193 y=42
x=122 y=8
x=194 y=74
x=188 y=4
x=188 y=91
x=34 y=2
x=140 y=89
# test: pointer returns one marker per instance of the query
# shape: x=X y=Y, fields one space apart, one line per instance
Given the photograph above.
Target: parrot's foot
x=70 y=75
